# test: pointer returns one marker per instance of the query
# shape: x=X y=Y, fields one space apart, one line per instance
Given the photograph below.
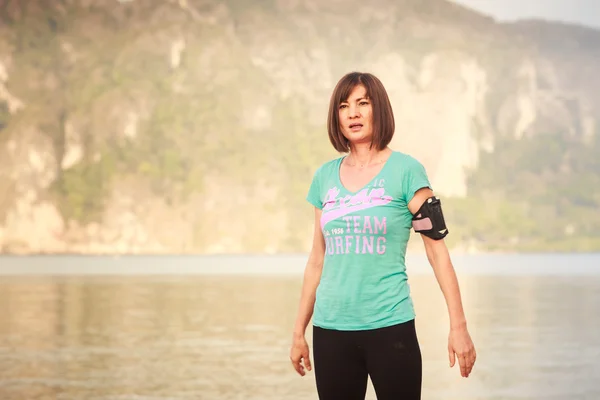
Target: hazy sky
x=585 y=12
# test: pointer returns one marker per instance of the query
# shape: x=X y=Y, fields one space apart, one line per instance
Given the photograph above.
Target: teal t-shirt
x=364 y=282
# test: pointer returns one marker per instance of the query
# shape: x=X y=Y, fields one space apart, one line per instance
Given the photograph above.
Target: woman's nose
x=353 y=112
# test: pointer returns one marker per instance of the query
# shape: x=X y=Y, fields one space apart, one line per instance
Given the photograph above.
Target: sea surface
x=132 y=328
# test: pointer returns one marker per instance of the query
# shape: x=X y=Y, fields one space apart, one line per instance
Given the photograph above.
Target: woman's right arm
x=312 y=276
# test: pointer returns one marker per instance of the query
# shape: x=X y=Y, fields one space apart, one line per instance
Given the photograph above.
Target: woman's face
x=356 y=116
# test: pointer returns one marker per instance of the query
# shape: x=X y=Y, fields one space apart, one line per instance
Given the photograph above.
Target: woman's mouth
x=355 y=127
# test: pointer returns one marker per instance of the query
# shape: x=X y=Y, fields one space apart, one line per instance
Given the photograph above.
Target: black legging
x=391 y=356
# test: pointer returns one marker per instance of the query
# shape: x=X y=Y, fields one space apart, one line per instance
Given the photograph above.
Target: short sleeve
x=314 y=191
x=415 y=178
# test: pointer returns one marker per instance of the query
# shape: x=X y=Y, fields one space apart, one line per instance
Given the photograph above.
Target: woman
x=355 y=284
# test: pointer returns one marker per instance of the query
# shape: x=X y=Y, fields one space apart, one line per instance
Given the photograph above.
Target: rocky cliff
x=195 y=126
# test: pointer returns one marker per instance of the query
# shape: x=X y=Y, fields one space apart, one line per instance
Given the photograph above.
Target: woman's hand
x=300 y=356
x=460 y=345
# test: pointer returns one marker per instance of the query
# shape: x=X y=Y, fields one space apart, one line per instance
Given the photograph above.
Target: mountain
x=194 y=126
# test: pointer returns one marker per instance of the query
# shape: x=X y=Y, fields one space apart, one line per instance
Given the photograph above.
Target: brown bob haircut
x=383 y=116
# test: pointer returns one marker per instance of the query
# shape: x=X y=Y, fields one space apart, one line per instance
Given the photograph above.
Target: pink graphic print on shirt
x=362 y=234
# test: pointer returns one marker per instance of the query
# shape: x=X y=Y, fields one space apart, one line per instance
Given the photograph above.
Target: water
x=197 y=328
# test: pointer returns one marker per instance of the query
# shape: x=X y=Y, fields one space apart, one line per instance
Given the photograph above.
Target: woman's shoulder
x=329 y=165
x=404 y=160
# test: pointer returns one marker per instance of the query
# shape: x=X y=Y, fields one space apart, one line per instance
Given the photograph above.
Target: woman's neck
x=361 y=155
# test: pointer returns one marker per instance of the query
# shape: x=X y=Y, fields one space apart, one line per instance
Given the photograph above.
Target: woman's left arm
x=459 y=341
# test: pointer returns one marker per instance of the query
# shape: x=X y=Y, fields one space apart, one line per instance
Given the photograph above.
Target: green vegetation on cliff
x=536 y=193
